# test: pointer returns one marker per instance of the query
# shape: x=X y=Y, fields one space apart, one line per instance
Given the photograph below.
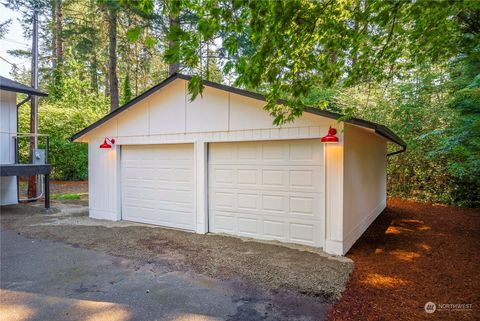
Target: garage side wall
x=365 y=181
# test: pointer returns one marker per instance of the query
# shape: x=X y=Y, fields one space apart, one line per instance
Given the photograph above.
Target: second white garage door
x=158 y=185
x=267 y=190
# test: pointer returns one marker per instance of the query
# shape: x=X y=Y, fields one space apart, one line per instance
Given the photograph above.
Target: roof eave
x=24 y=91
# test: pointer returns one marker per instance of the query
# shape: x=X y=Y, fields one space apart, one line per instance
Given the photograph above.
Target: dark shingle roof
x=12 y=85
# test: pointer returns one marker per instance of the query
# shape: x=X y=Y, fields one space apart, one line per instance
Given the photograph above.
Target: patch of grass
x=68 y=196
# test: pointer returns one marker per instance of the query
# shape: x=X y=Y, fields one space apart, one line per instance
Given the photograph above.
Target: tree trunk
x=173 y=67
x=136 y=69
x=112 y=58
x=59 y=34
x=107 y=81
x=94 y=66
x=53 y=27
x=207 y=63
x=32 y=180
x=93 y=73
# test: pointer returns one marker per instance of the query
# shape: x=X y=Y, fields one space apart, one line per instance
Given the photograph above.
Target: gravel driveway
x=265 y=267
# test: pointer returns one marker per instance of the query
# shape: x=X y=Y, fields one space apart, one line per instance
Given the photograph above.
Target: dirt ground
x=68 y=187
x=268 y=266
x=412 y=254
x=59 y=187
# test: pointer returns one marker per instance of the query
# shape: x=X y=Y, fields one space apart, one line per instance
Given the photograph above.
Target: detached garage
x=218 y=165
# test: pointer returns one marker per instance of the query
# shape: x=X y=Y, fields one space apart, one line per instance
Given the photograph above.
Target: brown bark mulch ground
x=412 y=254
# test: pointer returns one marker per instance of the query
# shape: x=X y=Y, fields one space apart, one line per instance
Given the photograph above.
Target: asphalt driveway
x=44 y=280
x=66 y=266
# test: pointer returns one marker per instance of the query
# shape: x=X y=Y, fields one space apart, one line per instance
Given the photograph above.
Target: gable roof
x=12 y=85
x=378 y=128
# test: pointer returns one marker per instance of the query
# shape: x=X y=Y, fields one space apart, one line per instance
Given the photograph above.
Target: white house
x=217 y=164
x=9 y=167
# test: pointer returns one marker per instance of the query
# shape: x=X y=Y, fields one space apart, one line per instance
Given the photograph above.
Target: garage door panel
x=285 y=178
x=274 y=229
x=265 y=162
x=277 y=153
x=134 y=202
x=304 y=205
x=301 y=205
x=223 y=176
x=273 y=202
x=274 y=152
x=304 y=233
x=305 y=151
x=224 y=200
x=247 y=152
x=147 y=212
x=248 y=226
x=274 y=177
x=159 y=217
x=247 y=201
x=247 y=177
x=223 y=222
x=268 y=228
x=267 y=190
x=304 y=178
x=163 y=175
x=163 y=194
x=148 y=194
x=224 y=153
x=183 y=175
x=157 y=185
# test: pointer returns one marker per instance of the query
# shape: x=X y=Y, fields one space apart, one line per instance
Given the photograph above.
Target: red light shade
x=107 y=145
x=330 y=137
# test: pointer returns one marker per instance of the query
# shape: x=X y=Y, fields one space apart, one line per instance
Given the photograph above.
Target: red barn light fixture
x=330 y=137
x=106 y=144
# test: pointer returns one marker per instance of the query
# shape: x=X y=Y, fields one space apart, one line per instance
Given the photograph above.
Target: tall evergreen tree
x=127 y=90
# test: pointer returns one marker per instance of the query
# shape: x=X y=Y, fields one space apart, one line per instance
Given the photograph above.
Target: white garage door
x=268 y=190
x=157 y=185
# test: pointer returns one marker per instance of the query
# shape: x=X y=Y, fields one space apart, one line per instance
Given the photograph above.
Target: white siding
x=245 y=111
x=208 y=113
x=8 y=127
x=167 y=110
x=103 y=181
x=168 y=116
x=365 y=181
x=134 y=121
